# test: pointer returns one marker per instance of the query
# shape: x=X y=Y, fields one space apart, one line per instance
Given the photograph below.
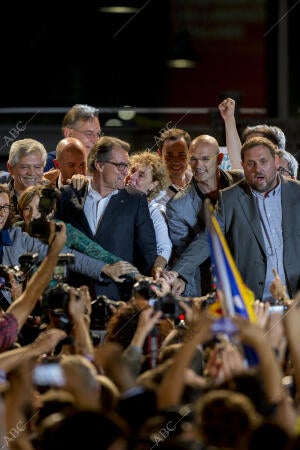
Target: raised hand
x=57 y=236
x=78 y=181
x=227 y=108
x=278 y=289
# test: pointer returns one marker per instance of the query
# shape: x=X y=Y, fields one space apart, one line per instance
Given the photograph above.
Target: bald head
x=204 y=162
x=69 y=144
x=205 y=140
x=71 y=158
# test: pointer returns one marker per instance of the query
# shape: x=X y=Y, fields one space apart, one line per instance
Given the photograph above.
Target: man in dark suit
x=260 y=219
x=115 y=217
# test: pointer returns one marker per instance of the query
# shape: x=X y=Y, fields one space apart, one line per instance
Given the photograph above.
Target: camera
x=28 y=265
x=61 y=270
x=101 y=312
x=4 y=275
x=56 y=301
x=143 y=287
x=28 y=261
x=40 y=228
x=169 y=305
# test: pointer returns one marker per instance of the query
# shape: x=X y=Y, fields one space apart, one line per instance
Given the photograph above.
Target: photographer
x=15 y=243
x=68 y=308
x=12 y=321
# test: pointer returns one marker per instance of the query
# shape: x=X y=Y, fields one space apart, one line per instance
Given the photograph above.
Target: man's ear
x=98 y=166
x=56 y=164
x=67 y=132
x=220 y=158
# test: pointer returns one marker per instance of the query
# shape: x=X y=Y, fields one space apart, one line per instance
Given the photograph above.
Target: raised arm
x=169 y=394
x=233 y=142
x=23 y=305
x=44 y=343
x=251 y=334
x=78 y=310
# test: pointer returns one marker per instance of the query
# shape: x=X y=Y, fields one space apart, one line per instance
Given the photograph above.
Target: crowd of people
x=108 y=335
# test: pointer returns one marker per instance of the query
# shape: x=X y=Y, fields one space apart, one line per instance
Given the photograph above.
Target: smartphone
x=278 y=309
x=50 y=374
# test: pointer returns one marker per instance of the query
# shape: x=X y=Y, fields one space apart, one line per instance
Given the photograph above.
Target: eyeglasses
x=204 y=159
x=5 y=208
x=284 y=171
x=90 y=134
x=122 y=167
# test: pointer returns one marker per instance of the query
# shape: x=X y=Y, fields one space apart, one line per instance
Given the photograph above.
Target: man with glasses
x=288 y=165
x=81 y=122
x=184 y=209
x=115 y=216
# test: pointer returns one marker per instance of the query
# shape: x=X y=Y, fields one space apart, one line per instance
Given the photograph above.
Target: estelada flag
x=236 y=297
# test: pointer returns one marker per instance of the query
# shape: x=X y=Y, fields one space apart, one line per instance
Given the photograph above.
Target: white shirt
x=59 y=181
x=163 y=241
x=94 y=206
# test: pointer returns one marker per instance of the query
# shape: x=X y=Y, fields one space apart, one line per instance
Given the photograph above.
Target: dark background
x=57 y=54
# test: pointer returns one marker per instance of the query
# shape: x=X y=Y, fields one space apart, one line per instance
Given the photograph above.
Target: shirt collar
x=92 y=193
x=274 y=192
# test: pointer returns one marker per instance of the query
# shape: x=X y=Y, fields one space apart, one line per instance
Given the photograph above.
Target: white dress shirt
x=94 y=206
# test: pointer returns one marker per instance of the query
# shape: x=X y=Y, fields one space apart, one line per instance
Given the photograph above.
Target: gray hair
x=291 y=160
x=280 y=137
x=25 y=147
x=273 y=133
x=79 y=112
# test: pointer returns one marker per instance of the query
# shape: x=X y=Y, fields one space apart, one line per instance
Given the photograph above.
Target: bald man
x=184 y=210
x=70 y=160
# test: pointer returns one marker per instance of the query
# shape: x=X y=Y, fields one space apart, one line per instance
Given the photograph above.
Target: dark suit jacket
x=185 y=219
x=239 y=220
x=126 y=229
x=49 y=163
